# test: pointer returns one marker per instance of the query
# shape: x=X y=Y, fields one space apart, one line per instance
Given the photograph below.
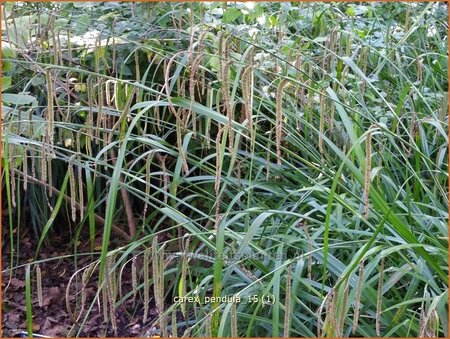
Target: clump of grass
x=218 y=183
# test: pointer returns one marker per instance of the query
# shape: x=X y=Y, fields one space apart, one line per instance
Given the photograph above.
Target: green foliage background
x=342 y=167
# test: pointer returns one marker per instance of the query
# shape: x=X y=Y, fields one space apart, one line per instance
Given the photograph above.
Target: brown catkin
x=218 y=176
x=279 y=118
x=84 y=281
x=174 y=324
x=432 y=326
x=33 y=161
x=269 y=143
x=184 y=269
x=358 y=296
x=25 y=168
x=43 y=160
x=247 y=78
x=331 y=119
x=247 y=272
x=367 y=172
x=111 y=292
x=208 y=332
x=12 y=175
x=147 y=253
x=330 y=320
x=50 y=176
x=39 y=285
x=192 y=81
x=333 y=37
x=287 y=304
x=363 y=66
x=203 y=82
x=165 y=177
x=160 y=287
x=182 y=112
x=221 y=56
x=225 y=63
x=105 y=304
x=209 y=100
x=111 y=303
x=298 y=66
x=217 y=212
x=379 y=299
x=80 y=188
x=322 y=108
x=134 y=279
x=72 y=189
x=234 y=329
x=156 y=272
x=78 y=142
x=158 y=284
x=90 y=116
x=113 y=275
x=228 y=106
x=422 y=322
x=343 y=312
x=50 y=132
x=68 y=297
